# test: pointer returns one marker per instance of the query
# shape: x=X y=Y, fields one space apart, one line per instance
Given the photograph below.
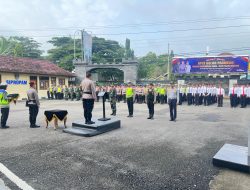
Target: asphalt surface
x=142 y=154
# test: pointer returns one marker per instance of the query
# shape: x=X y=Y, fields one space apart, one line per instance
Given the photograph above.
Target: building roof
x=31 y=66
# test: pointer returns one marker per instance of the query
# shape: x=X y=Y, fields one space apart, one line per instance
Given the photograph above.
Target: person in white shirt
x=189 y=94
x=220 y=94
x=196 y=95
x=248 y=94
x=200 y=92
x=205 y=94
x=243 y=96
x=233 y=96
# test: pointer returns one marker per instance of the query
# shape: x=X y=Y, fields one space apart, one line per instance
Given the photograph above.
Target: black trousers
x=5 y=115
x=173 y=108
x=196 y=99
x=180 y=98
x=48 y=94
x=33 y=111
x=162 y=98
x=51 y=95
x=233 y=100
x=151 y=108
x=130 y=103
x=243 y=101
x=189 y=98
x=220 y=100
x=200 y=99
x=88 y=105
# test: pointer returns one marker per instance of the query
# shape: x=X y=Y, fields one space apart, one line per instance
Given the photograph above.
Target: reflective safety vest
x=129 y=92
x=3 y=101
x=162 y=91
x=51 y=89
x=59 y=89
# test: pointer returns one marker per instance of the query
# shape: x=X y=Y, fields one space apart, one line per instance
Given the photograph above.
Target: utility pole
x=168 y=63
x=81 y=32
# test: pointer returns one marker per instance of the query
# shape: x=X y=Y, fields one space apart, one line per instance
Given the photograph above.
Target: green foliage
x=152 y=65
x=20 y=47
x=103 y=51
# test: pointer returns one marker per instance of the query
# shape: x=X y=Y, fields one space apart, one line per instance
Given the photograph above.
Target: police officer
x=220 y=95
x=151 y=99
x=112 y=96
x=51 y=92
x=55 y=92
x=130 y=99
x=48 y=93
x=4 y=104
x=66 y=93
x=162 y=93
x=88 y=97
x=33 y=104
x=172 y=102
x=71 y=91
x=78 y=93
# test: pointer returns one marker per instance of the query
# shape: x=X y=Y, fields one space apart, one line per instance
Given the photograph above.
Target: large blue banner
x=230 y=64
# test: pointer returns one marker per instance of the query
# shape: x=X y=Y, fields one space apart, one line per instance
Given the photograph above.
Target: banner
x=230 y=64
x=87 y=47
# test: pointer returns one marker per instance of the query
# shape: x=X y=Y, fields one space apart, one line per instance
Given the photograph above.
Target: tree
x=103 y=51
x=151 y=65
x=63 y=52
x=20 y=47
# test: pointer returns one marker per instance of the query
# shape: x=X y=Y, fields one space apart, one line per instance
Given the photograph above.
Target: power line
x=129 y=25
x=176 y=30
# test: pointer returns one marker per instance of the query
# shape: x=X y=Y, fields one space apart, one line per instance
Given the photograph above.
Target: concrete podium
x=234 y=157
x=86 y=130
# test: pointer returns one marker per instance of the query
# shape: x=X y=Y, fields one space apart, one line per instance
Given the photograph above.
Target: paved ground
x=143 y=154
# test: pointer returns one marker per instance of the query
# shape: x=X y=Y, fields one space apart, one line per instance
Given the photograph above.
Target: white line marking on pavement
x=19 y=182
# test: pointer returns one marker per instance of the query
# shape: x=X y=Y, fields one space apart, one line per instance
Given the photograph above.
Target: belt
x=87 y=92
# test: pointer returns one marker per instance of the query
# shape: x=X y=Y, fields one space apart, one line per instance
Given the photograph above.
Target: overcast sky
x=190 y=26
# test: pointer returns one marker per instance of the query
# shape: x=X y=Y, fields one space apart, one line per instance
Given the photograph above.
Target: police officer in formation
x=151 y=100
x=239 y=94
x=112 y=96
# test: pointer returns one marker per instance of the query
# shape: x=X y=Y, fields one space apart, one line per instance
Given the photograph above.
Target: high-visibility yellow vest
x=51 y=89
x=129 y=92
x=3 y=101
x=162 y=91
x=59 y=89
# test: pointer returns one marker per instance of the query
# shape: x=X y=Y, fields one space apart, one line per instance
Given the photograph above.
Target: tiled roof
x=31 y=66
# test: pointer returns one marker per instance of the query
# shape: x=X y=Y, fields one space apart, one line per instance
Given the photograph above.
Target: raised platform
x=233 y=157
x=86 y=130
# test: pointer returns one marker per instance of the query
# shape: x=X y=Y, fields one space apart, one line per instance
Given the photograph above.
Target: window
x=61 y=81
x=53 y=81
x=44 y=83
x=16 y=76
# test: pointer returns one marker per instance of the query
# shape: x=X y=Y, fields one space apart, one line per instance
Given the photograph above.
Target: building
x=19 y=72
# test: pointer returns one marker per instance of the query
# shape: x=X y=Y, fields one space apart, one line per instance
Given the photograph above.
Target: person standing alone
x=172 y=102
x=151 y=99
x=33 y=104
x=88 y=97
x=130 y=99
